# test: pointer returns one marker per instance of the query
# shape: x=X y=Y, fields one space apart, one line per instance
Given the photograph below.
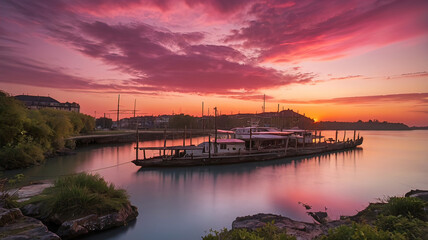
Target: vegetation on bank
x=26 y=136
x=80 y=195
x=397 y=218
x=267 y=232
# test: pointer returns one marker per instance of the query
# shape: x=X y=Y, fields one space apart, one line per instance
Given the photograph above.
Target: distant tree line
x=360 y=125
x=27 y=136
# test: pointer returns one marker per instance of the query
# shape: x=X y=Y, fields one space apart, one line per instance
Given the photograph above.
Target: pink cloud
x=157 y=58
x=328 y=30
x=374 y=99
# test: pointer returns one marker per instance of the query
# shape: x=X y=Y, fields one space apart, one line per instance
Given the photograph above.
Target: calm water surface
x=183 y=203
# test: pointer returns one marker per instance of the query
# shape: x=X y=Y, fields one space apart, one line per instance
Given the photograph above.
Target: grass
x=393 y=218
x=79 y=195
x=406 y=206
x=267 y=232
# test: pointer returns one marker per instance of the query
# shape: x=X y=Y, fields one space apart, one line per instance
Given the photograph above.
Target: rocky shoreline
x=308 y=231
x=28 y=222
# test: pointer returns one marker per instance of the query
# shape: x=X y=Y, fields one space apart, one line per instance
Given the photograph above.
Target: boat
x=248 y=145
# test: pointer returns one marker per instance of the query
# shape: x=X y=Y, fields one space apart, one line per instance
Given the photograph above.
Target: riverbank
x=396 y=218
x=67 y=208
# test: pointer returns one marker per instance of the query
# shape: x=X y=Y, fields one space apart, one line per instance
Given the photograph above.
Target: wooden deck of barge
x=253 y=156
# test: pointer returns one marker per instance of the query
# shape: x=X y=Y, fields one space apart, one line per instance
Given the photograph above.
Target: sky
x=332 y=60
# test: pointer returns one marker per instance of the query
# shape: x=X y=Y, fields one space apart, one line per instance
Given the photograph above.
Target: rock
x=9 y=215
x=93 y=223
x=422 y=194
x=301 y=230
x=20 y=227
x=32 y=209
x=27 y=192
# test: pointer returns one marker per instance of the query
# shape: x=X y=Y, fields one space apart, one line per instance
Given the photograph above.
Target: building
x=38 y=102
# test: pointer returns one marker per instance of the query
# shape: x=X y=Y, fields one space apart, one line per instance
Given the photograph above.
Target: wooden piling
x=138 y=139
x=184 y=138
x=304 y=137
x=355 y=131
x=316 y=136
x=286 y=145
x=209 y=146
x=164 y=141
x=251 y=135
x=336 y=136
x=344 y=135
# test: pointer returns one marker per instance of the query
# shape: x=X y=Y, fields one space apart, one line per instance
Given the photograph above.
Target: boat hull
x=257 y=156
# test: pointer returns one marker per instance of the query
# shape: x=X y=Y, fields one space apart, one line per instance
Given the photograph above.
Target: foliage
x=7 y=199
x=180 y=121
x=21 y=155
x=27 y=135
x=267 y=232
x=79 y=195
x=361 y=232
x=406 y=206
x=410 y=227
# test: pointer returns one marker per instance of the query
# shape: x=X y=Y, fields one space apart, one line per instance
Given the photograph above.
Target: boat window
x=222 y=146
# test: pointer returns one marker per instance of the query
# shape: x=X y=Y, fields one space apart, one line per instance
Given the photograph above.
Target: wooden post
x=190 y=131
x=358 y=135
x=251 y=141
x=296 y=141
x=164 y=141
x=316 y=136
x=336 y=136
x=144 y=153
x=209 y=146
x=344 y=135
x=215 y=127
x=286 y=144
x=203 y=119
x=138 y=139
x=184 y=138
x=320 y=138
x=304 y=136
x=355 y=131
x=118 y=122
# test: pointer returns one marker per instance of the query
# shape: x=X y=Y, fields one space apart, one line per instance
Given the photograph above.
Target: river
x=184 y=203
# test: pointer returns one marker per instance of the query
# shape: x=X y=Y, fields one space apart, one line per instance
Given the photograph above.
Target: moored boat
x=258 y=146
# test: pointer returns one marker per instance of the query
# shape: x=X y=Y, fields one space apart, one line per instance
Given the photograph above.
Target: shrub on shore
x=397 y=218
x=79 y=195
x=27 y=135
x=267 y=232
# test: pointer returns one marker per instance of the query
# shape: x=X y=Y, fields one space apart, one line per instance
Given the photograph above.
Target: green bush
x=26 y=135
x=267 y=232
x=406 y=206
x=21 y=155
x=360 y=232
x=411 y=228
x=79 y=195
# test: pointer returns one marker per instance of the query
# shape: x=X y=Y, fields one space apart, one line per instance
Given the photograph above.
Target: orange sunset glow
x=331 y=60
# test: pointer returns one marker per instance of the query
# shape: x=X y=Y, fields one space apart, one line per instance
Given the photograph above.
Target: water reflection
x=182 y=203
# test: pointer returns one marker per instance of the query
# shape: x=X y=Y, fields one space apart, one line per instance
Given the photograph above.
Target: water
x=183 y=203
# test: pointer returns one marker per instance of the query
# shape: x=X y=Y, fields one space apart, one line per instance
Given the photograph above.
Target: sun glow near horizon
x=336 y=62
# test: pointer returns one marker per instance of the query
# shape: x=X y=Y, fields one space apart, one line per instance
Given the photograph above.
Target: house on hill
x=38 y=102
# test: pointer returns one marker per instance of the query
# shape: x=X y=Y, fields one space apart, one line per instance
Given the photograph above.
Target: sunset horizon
x=331 y=61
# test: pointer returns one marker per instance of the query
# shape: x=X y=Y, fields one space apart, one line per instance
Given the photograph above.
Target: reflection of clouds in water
x=194 y=199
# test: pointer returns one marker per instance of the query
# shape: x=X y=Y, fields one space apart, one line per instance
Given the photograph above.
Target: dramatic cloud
x=156 y=57
x=421 y=98
x=159 y=59
x=325 y=30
